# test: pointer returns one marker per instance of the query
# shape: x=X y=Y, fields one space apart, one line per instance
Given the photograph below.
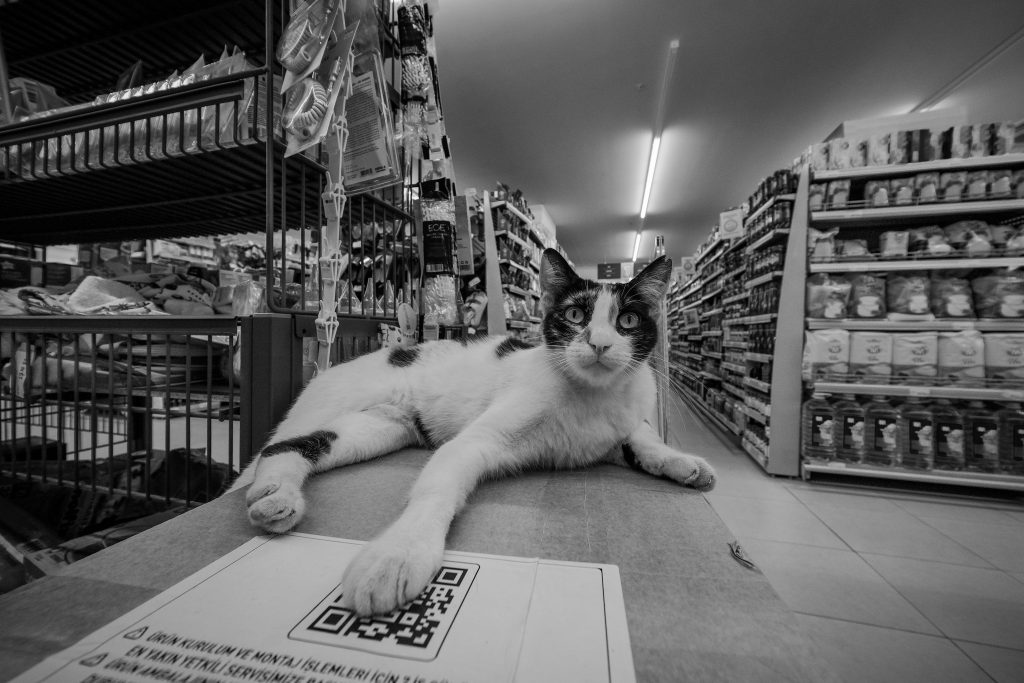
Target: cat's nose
x=599 y=348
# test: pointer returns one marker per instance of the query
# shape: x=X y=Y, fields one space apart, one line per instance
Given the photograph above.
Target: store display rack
x=868 y=222
x=726 y=381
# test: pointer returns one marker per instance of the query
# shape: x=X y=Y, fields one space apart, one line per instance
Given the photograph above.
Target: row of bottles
x=914 y=435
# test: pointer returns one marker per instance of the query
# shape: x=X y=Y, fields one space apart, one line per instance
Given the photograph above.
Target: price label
x=1013 y=395
x=919 y=391
x=962 y=324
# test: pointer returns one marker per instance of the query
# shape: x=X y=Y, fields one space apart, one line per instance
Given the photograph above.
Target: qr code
x=414 y=631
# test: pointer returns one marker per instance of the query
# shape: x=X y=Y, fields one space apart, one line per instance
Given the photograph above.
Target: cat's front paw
x=690 y=470
x=274 y=507
x=389 y=572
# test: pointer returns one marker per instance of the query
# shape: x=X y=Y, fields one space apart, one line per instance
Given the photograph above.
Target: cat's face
x=596 y=332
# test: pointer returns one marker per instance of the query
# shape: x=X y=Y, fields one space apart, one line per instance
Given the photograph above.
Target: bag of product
x=908 y=295
x=894 y=243
x=871 y=356
x=1001 y=183
x=915 y=356
x=977 y=184
x=876 y=192
x=878 y=149
x=927 y=187
x=816 y=196
x=838 y=193
x=839 y=154
x=901 y=190
x=962 y=357
x=951 y=297
x=1015 y=243
x=826 y=355
x=951 y=185
x=821 y=244
x=999 y=295
x=828 y=296
x=867 y=295
x=1004 y=356
x=930 y=240
x=854 y=250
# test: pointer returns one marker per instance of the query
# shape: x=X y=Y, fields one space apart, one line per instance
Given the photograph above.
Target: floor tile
x=861 y=653
x=749 y=485
x=893 y=533
x=834 y=583
x=843 y=499
x=1002 y=664
x=965 y=603
x=1000 y=544
x=952 y=510
x=772 y=520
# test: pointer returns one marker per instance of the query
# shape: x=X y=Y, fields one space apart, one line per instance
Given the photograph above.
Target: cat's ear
x=652 y=282
x=556 y=275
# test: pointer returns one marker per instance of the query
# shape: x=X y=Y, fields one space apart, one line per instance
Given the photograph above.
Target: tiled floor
x=892 y=586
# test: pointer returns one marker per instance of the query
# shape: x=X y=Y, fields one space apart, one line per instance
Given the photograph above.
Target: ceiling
x=559 y=97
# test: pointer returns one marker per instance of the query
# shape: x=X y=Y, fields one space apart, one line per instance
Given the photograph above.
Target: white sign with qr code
x=270 y=611
x=415 y=630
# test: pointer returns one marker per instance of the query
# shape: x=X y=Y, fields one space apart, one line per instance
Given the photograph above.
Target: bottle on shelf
x=1011 y=438
x=881 y=433
x=818 y=425
x=949 y=435
x=849 y=435
x=659 y=246
x=981 y=436
x=917 y=435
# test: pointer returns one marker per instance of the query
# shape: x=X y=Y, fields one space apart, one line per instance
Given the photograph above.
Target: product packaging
x=927 y=187
x=899 y=147
x=818 y=156
x=977 y=184
x=821 y=245
x=915 y=356
x=838 y=194
x=930 y=240
x=371 y=159
x=854 y=250
x=826 y=355
x=878 y=149
x=962 y=357
x=951 y=297
x=951 y=185
x=828 y=296
x=907 y=296
x=1001 y=183
x=305 y=38
x=839 y=151
x=1004 y=356
x=901 y=191
x=816 y=196
x=867 y=298
x=876 y=192
x=894 y=243
x=871 y=356
x=999 y=294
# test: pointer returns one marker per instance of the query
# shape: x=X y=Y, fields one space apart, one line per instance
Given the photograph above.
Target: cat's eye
x=574 y=314
x=629 y=320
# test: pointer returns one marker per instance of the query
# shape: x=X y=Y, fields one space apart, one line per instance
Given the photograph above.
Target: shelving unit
x=511 y=257
x=722 y=383
x=867 y=222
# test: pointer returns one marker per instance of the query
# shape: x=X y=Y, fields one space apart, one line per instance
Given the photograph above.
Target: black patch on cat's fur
x=310 y=447
x=422 y=429
x=511 y=345
x=403 y=358
x=629 y=455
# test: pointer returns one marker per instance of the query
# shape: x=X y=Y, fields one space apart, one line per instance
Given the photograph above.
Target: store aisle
x=892 y=586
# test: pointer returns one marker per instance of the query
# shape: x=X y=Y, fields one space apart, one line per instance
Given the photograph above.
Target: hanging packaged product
x=440 y=294
x=306 y=37
x=371 y=160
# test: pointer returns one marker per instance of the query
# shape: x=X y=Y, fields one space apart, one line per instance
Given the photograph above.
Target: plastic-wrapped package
x=867 y=299
x=371 y=158
x=915 y=356
x=895 y=243
x=927 y=187
x=838 y=193
x=951 y=297
x=876 y=192
x=901 y=191
x=1004 y=356
x=908 y=294
x=871 y=356
x=828 y=296
x=999 y=295
x=816 y=196
x=962 y=357
x=305 y=38
x=977 y=184
x=826 y=355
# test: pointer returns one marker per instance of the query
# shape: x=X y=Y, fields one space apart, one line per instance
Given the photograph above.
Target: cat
x=488 y=408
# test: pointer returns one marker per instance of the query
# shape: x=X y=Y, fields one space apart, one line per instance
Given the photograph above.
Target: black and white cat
x=489 y=408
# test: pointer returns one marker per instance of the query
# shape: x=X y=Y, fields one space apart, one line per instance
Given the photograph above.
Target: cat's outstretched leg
x=644 y=450
x=396 y=566
x=275 y=499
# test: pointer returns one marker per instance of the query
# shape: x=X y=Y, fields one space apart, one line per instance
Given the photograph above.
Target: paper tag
x=919 y=391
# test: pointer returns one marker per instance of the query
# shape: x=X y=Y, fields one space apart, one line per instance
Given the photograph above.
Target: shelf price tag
x=919 y=392
x=1013 y=395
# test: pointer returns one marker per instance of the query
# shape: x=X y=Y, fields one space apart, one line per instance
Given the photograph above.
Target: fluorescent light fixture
x=655 y=147
x=636 y=244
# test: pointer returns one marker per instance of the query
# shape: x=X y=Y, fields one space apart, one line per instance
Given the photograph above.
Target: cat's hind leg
x=274 y=499
x=644 y=450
